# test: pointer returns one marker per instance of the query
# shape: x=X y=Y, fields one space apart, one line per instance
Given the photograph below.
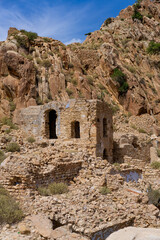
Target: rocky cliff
x=119 y=63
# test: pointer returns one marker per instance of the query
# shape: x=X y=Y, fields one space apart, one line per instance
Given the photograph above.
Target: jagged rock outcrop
x=42 y=69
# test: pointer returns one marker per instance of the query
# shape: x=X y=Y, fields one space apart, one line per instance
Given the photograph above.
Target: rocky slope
x=37 y=70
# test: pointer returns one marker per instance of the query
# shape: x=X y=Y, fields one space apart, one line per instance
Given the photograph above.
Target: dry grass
x=53 y=188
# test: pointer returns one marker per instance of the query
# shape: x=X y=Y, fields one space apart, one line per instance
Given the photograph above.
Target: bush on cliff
x=121 y=78
x=107 y=21
x=137 y=14
x=153 y=48
x=31 y=35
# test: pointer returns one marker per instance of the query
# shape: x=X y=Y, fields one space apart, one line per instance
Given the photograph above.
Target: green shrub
x=137 y=15
x=131 y=69
x=31 y=139
x=107 y=21
x=9 y=209
x=13 y=147
x=46 y=63
x=133 y=126
x=38 y=60
x=114 y=107
x=155 y=165
x=39 y=100
x=29 y=57
x=153 y=48
x=44 y=191
x=105 y=190
x=21 y=40
x=101 y=86
x=2 y=156
x=74 y=81
x=8 y=122
x=31 y=35
x=121 y=78
x=141 y=130
x=53 y=188
x=45 y=39
x=154 y=196
x=12 y=106
x=90 y=80
x=58 y=188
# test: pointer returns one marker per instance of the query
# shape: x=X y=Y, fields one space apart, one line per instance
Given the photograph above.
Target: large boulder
x=132 y=233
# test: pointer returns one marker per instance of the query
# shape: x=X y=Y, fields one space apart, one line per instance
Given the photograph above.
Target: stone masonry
x=83 y=123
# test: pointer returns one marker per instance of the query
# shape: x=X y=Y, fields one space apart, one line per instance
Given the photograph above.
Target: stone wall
x=20 y=174
x=92 y=117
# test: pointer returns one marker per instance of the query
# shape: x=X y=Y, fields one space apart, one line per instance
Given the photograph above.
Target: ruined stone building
x=86 y=123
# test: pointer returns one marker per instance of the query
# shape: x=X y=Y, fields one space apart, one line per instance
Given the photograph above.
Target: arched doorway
x=75 y=129
x=105 y=155
x=52 y=124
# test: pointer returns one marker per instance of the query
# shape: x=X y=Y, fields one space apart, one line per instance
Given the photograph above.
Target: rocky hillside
x=119 y=63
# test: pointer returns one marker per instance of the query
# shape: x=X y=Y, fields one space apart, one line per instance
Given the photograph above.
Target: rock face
x=132 y=233
x=35 y=72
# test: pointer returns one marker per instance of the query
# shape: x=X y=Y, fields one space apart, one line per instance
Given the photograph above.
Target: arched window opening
x=75 y=129
x=52 y=124
x=104 y=127
x=105 y=155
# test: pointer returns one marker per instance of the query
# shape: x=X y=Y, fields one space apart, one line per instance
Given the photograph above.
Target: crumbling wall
x=104 y=125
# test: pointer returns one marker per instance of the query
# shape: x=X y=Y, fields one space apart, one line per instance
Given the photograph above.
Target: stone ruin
x=71 y=132
x=85 y=123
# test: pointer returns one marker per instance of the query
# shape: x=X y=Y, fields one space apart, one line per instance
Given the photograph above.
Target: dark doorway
x=52 y=124
x=105 y=155
x=104 y=127
x=75 y=129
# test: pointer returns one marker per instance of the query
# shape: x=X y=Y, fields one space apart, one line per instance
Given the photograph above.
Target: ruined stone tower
x=86 y=123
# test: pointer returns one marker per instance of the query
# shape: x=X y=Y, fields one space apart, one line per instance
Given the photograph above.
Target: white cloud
x=73 y=40
x=59 y=22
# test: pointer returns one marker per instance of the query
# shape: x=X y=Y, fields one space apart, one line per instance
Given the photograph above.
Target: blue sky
x=64 y=20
